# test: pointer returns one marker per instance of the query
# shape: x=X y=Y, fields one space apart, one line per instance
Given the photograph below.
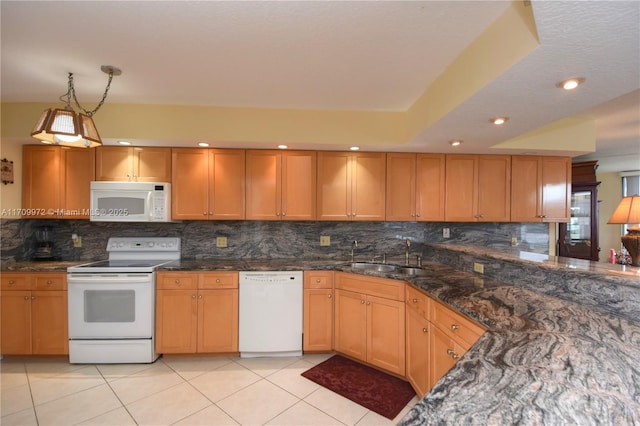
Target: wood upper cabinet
x=478 y=188
x=34 y=314
x=370 y=320
x=540 y=189
x=281 y=185
x=318 y=311
x=351 y=186
x=208 y=184
x=135 y=164
x=415 y=187
x=197 y=312
x=56 y=181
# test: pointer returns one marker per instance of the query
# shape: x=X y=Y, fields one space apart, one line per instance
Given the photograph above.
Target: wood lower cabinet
x=478 y=188
x=540 y=189
x=351 y=186
x=418 y=330
x=197 y=312
x=34 y=314
x=370 y=320
x=133 y=164
x=56 y=181
x=318 y=311
x=281 y=185
x=208 y=184
x=415 y=187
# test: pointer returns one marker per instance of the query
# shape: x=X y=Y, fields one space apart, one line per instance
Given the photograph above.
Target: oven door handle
x=108 y=279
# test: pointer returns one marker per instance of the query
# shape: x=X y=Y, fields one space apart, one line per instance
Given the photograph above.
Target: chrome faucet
x=354 y=244
x=407 y=244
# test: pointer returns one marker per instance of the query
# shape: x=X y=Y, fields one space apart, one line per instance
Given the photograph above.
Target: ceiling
x=336 y=56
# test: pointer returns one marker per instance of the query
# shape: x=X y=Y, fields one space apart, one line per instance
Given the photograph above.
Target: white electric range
x=112 y=302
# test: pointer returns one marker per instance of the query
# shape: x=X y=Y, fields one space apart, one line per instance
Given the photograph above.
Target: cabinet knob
x=418 y=214
x=329 y=295
x=424 y=330
x=211 y=213
x=177 y=281
x=318 y=280
x=11 y=282
x=415 y=300
x=362 y=302
x=217 y=280
x=454 y=327
x=199 y=296
x=193 y=296
x=49 y=282
x=413 y=215
x=33 y=298
x=277 y=213
x=368 y=303
x=26 y=297
x=284 y=213
x=204 y=213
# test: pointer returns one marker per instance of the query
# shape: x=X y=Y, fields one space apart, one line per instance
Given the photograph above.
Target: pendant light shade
x=66 y=127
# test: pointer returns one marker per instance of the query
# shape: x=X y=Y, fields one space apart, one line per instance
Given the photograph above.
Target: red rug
x=385 y=394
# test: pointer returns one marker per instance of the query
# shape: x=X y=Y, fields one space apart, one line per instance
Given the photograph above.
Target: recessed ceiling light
x=203 y=144
x=124 y=142
x=455 y=142
x=571 y=83
x=499 y=120
x=354 y=148
x=283 y=146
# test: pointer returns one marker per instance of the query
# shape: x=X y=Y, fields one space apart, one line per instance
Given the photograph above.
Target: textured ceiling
x=334 y=55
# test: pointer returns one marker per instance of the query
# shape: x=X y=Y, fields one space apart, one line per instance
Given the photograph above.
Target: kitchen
x=264 y=239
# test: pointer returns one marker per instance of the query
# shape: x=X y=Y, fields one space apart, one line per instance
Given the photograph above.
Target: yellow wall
x=609 y=194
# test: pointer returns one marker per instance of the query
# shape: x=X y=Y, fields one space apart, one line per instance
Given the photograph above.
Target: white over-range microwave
x=130 y=202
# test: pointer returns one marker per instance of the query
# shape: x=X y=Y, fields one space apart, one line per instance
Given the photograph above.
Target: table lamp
x=628 y=212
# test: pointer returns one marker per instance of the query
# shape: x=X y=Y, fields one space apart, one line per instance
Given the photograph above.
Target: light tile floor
x=175 y=390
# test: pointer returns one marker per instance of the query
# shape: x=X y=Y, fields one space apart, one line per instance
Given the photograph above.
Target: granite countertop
x=543 y=360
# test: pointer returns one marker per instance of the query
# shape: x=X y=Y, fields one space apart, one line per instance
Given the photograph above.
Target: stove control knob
x=151 y=244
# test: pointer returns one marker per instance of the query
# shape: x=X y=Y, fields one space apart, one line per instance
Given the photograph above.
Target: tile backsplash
x=269 y=239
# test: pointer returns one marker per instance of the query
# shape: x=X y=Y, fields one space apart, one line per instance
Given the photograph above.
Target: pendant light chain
x=72 y=92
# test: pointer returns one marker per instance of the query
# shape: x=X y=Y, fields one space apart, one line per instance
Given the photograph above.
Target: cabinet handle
x=33 y=298
x=353 y=214
x=193 y=296
x=204 y=213
x=424 y=330
x=418 y=214
x=11 y=282
x=199 y=296
x=329 y=295
x=454 y=327
x=277 y=213
x=413 y=215
x=217 y=280
x=284 y=213
x=362 y=302
x=49 y=282
x=368 y=303
x=318 y=280
x=415 y=300
x=26 y=297
x=210 y=213
x=177 y=281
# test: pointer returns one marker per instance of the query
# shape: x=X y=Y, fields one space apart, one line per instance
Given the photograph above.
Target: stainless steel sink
x=408 y=270
x=375 y=267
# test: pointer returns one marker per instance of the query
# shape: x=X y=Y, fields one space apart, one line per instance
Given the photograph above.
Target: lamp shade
x=628 y=211
x=66 y=127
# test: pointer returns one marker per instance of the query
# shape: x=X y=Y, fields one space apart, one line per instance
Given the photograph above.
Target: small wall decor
x=7 y=171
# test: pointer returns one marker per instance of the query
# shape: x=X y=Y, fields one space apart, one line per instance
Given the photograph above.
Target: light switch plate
x=478 y=267
x=221 y=242
x=325 y=240
x=445 y=233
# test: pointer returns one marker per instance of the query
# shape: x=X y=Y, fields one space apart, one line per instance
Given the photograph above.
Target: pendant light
x=63 y=126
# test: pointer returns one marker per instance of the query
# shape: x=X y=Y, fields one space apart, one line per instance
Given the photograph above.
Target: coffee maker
x=44 y=245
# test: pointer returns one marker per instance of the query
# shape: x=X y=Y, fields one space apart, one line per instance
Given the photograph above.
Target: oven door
x=114 y=305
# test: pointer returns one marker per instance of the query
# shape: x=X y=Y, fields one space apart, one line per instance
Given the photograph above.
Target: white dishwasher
x=270 y=314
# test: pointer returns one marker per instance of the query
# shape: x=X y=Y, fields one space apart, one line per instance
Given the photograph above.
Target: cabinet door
x=42 y=186
x=430 y=186
x=445 y=352
x=151 y=164
x=556 y=189
x=16 y=322
x=217 y=321
x=49 y=325
x=525 y=193
x=386 y=334
x=350 y=324
x=401 y=187
x=176 y=321
x=190 y=184
x=227 y=184
x=334 y=186
x=318 y=319
x=418 y=351
x=494 y=188
x=79 y=171
x=461 y=198
x=114 y=163
x=263 y=185
x=368 y=180
x=298 y=180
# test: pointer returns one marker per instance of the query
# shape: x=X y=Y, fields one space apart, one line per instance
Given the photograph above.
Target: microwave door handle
x=150 y=204
x=105 y=279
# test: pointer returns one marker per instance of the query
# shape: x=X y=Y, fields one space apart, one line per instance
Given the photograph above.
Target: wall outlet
x=514 y=241
x=445 y=233
x=77 y=241
x=478 y=267
x=221 y=242
x=325 y=240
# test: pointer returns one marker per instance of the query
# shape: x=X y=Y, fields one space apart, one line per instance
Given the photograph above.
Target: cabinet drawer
x=318 y=279
x=213 y=280
x=51 y=282
x=417 y=300
x=455 y=325
x=17 y=282
x=177 y=281
x=382 y=287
